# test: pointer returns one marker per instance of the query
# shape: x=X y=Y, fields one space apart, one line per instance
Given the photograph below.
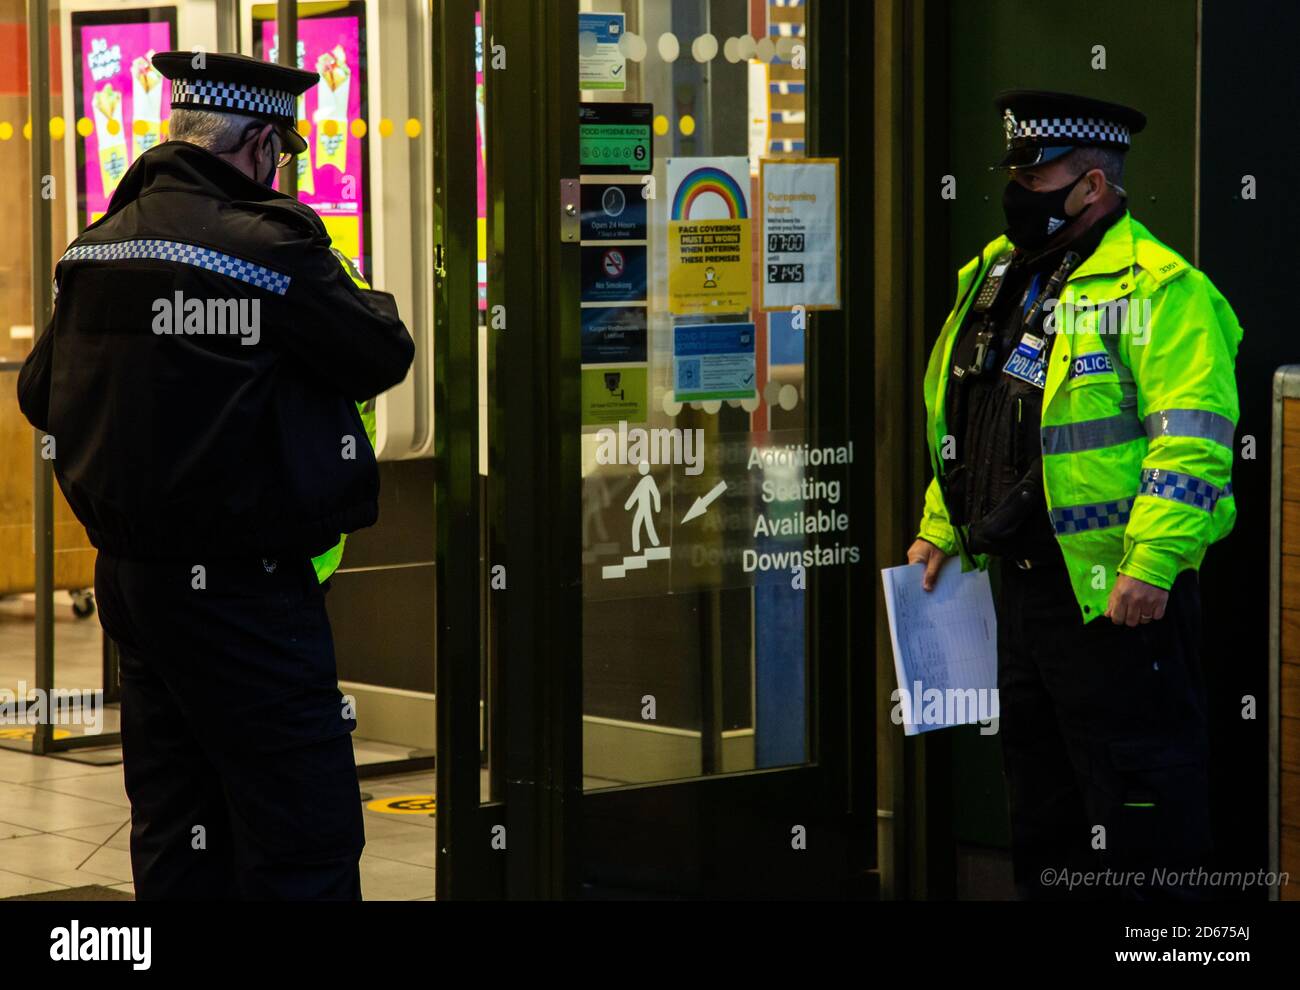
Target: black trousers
x=236 y=743
x=1104 y=742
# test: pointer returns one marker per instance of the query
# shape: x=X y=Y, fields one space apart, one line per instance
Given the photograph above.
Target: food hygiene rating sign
x=709 y=250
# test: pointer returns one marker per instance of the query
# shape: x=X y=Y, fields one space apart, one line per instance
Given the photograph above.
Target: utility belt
x=1040 y=564
x=224 y=575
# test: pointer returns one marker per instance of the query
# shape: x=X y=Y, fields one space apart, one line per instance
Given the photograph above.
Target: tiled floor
x=66 y=824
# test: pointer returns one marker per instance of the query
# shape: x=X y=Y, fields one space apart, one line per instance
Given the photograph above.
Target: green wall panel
x=1150 y=54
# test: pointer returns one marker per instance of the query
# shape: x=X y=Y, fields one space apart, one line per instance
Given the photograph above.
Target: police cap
x=1041 y=126
x=223 y=83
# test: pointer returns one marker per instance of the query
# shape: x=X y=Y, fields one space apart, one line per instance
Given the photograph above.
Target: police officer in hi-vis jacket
x=1081 y=404
x=201 y=380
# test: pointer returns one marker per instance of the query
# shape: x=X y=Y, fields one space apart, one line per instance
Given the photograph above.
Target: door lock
x=570 y=211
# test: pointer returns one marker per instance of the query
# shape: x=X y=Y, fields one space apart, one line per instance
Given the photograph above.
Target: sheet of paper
x=945 y=646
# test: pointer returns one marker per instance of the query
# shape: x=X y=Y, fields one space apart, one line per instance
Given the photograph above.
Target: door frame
x=526 y=631
x=463 y=866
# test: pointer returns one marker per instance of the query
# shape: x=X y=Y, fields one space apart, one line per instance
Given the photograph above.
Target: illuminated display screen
x=121 y=99
x=332 y=172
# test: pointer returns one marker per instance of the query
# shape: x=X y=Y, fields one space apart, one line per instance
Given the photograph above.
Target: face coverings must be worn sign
x=709 y=250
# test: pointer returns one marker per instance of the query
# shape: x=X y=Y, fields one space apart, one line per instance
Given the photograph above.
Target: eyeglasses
x=283 y=158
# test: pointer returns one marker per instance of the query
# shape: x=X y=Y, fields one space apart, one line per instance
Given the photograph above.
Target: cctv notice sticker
x=799 y=199
x=709 y=249
x=613 y=393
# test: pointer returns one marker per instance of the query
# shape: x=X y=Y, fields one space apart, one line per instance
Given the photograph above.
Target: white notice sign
x=945 y=647
x=800 y=213
x=601 y=64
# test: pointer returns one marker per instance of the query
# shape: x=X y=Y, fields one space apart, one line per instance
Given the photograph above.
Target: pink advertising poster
x=331 y=171
x=122 y=102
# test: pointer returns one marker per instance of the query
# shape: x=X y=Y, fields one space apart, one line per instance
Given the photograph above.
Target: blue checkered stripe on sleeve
x=1170 y=485
x=1098 y=515
x=1184 y=488
x=184 y=254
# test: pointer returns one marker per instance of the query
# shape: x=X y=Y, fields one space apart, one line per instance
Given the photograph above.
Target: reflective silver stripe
x=1098 y=515
x=1091 y=434
x=1199 y=423
x=1177 y=487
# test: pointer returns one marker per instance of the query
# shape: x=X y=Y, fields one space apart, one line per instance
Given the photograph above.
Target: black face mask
x=1033 y=218
x=269 y=181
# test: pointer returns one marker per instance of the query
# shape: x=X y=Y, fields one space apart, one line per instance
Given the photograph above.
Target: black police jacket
x=200 y=375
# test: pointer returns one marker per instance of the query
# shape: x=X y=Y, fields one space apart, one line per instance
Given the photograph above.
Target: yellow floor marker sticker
x=407 y=804
x=27 y=734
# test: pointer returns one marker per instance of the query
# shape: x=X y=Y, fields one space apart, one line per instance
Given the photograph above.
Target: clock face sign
x=613 y=211
x=613 y=202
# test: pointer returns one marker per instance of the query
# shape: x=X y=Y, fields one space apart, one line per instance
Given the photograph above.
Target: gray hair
x=216 y=132
x=1109 y=160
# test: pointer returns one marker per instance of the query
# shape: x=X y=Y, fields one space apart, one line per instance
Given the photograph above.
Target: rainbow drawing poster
x=710 y=255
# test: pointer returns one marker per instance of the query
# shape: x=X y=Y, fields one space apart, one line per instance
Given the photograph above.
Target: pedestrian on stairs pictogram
x=645 y=498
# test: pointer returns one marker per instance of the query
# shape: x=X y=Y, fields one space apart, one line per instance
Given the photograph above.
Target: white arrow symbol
x=704 y=501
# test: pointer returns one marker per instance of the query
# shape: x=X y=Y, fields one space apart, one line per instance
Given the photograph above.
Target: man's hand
x=925 y=552
x=1133 y=601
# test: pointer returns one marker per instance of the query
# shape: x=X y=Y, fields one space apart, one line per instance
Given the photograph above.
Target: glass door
x=671 y=475
x=714 y=511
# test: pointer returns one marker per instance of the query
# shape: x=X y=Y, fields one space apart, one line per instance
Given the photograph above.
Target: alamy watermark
x=657 y=446
x=208 y=317
x=920 y=705
x=75 y=943
x=1112 y=316
x=37 y=706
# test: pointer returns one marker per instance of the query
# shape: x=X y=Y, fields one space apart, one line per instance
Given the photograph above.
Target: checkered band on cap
x=234 y=96
x=1070 y=128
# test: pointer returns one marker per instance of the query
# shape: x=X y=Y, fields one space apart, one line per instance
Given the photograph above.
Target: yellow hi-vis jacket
x=1139 y=411
x=328 y=562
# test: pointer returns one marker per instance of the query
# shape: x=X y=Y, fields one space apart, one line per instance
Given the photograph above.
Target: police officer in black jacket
x=199 y=380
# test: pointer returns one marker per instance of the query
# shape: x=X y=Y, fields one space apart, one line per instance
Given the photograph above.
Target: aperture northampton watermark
x=60 y=706
x=1160 y=877
x=208 y=317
